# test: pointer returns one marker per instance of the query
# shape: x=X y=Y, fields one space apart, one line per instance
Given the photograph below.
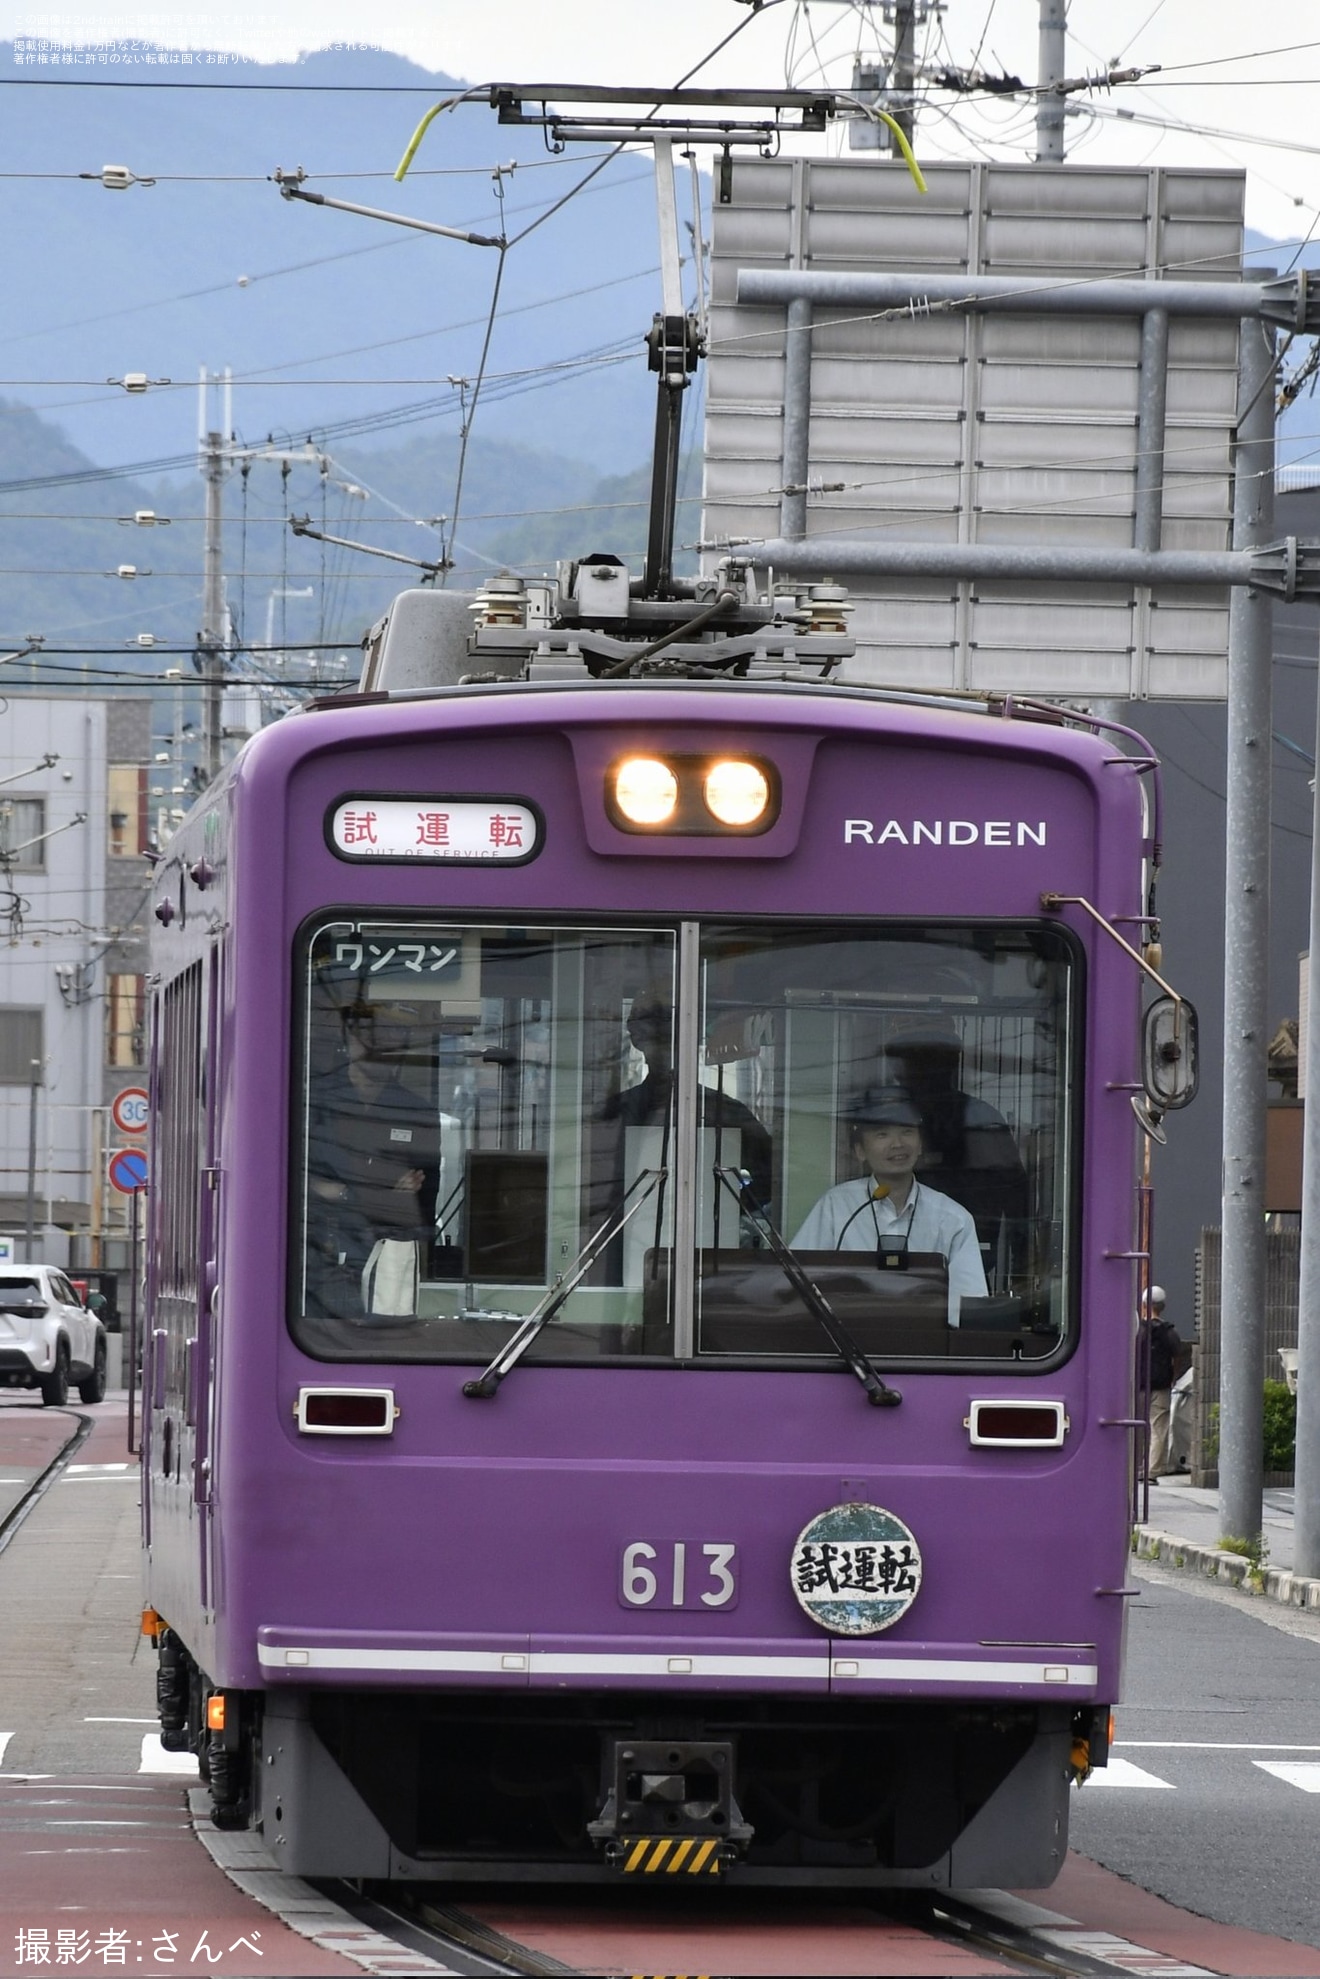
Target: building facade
x=73 y=887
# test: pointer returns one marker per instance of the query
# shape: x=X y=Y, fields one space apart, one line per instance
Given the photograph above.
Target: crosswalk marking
x=155 y=1759
x=1301 y=1773
x=1122 y=1773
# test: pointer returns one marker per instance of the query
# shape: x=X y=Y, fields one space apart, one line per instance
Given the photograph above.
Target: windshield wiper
x=878 y=1392
x=562 y=1290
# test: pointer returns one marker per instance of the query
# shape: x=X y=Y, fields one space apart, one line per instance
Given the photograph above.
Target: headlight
x=645 y=790
x=693 y=796
x=736 y=793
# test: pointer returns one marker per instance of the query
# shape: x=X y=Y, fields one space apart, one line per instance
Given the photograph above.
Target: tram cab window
x=476 y=1123
x=488 y=1116
x=915 y=1085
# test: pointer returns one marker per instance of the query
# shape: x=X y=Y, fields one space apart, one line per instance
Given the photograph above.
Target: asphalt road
x=1220 y=1685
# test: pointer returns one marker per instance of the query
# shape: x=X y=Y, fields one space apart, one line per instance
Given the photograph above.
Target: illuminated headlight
x=678 y=795
x=645 y=790
x=736 y=793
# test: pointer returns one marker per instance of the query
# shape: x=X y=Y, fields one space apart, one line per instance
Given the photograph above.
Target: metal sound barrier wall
x=967 y=426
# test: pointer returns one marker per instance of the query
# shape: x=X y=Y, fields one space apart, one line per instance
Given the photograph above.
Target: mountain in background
x=361 y=335
x=211 y=266
x=67 y=531
x=341 y=327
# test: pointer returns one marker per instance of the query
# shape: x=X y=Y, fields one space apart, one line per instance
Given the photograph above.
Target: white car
x=47 y=1336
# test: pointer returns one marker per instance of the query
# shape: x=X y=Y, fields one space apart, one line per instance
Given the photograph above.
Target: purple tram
x=640 y=1359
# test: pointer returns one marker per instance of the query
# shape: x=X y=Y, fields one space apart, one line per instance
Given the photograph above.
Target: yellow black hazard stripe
x=672 y=1857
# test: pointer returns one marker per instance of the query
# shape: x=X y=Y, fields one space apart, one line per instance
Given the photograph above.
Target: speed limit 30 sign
x=130 y=1110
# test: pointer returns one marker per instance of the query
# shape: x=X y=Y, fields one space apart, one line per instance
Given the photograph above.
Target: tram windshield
x=501 y=1121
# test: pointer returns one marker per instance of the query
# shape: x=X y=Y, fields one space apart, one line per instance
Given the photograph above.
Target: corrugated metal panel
x=992 y=429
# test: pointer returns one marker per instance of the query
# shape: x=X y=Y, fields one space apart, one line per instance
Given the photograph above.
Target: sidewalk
x=1182 y=1531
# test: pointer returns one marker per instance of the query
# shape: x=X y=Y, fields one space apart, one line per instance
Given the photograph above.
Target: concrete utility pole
x=1307 y=1498
x=1050 y=105
x=905 y=65
x=30 y=1219
x=1246 y=956
x=211 y=643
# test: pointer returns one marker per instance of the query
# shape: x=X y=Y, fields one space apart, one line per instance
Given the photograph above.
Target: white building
x=73 y=883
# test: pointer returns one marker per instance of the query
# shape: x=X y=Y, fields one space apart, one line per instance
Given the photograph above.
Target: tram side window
x=179 y=1076
x=916 y=1087
x=476 y=1121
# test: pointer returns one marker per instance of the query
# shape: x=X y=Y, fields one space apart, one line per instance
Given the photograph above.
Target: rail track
x=30 y=1497
x=433 y=1926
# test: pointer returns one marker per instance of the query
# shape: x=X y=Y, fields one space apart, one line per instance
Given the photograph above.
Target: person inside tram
x=650 y=1029
x=968 y=1149
x=885 y=1209
x=373 y=1169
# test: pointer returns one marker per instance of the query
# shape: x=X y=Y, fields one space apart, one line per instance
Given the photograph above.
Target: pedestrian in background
x=1164 y=1345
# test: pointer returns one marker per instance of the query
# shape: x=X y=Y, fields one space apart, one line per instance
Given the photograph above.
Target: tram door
x=182 y=1222
x=205 y=1343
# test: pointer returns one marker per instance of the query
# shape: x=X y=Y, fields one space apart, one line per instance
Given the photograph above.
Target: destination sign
x=457 y=829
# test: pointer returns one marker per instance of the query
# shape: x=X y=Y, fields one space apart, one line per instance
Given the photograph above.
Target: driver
x=886 y=1208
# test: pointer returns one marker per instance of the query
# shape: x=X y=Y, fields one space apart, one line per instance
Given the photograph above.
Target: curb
x=1234 y=1569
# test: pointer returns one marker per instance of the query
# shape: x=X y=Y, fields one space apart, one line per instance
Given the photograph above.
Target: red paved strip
x=30 y=1435
x=729 y=1934
x=1102 y=1901
x=92 y=1858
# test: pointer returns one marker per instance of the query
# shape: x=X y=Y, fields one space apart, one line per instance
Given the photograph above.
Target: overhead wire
x=470 y=411
x=252 y=281
x=263 y=178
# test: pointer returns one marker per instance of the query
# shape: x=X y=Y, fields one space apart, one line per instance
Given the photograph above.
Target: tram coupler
x=670 y=1808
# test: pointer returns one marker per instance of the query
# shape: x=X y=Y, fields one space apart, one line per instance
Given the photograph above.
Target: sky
x=1236 y=87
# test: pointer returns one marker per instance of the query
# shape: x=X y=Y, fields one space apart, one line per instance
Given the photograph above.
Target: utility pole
x=30 y=1221
x=1049 y=103
x=210 y=645
x=1246 y=953
x=905 y=64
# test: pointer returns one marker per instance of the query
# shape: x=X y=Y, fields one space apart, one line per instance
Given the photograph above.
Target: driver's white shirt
x=848 y=1218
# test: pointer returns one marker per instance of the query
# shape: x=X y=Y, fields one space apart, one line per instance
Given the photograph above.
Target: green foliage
x=1280 y=1426
x=1255 y=1551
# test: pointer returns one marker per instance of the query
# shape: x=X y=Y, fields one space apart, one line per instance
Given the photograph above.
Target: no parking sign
x=128 y=1170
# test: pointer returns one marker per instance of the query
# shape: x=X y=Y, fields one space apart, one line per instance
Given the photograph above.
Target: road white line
x=119 y=1721
x=1122 y=1773
x=4 y=1740
x=1295 y=1773
x=104 y=1470
x=1210 y=1745
x=155 y=1759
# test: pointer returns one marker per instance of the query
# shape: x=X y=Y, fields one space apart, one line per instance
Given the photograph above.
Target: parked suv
x=47 y=1336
